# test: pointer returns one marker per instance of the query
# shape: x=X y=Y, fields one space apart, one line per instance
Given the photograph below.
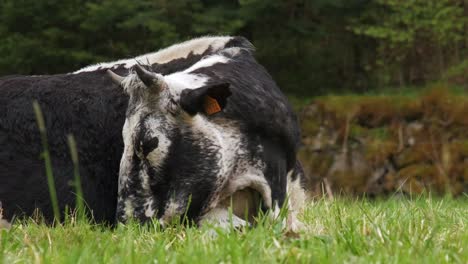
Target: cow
x=87 y=104
x=219 y=133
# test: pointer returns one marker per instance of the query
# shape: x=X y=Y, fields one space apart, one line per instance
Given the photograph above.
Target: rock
x=386 y=144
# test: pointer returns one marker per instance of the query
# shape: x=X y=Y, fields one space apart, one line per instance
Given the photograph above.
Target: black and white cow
x=88 y=105
x=217 y=133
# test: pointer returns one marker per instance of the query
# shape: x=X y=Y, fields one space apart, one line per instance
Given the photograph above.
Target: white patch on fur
x=232 y=51
x=177 y=51
x=149 y=211
x=252 y=178
x=158 y=155
x=296 y=200
x=227 y=137
x=172 y=210
x=207 y=62
x=295 y=192
x=125 y=162
x=128 y=208
x=182 y=50
x=276 y=211
x=221 y=217
x=179 y=81
x=145 y=185
x=4 y=224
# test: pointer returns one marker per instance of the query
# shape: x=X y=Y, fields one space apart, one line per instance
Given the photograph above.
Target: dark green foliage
x=310 y=47
x=416 y=40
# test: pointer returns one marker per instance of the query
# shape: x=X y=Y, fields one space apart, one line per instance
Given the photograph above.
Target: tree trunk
x=441 y=59
x=401 y=76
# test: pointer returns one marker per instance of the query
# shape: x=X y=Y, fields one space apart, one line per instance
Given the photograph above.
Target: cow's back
x=86 y=105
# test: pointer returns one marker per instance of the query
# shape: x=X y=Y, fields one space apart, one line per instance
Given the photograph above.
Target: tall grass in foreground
x=80 y=206
x=48 y=163
x=80 y=212
x=399 y=230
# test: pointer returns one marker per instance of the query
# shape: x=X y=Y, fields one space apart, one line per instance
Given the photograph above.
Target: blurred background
x=380 y=85
x=311 y=47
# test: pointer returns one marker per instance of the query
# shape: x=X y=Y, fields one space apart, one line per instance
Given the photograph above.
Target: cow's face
x=168 y=169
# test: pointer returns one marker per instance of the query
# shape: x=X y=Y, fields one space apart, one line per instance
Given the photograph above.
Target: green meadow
x=397 y=230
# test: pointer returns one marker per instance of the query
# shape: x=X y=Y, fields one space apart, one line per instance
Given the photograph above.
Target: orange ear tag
x=211 y=106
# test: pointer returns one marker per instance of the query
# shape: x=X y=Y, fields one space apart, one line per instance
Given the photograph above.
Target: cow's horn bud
x=117 y=79
x=150 y=79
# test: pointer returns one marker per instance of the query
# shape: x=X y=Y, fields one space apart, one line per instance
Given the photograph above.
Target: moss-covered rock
x=386 y=144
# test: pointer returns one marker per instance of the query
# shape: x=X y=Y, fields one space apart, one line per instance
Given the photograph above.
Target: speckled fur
x=250 y=144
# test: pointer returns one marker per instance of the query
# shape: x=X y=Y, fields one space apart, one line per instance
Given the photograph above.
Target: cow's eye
x=149 y=146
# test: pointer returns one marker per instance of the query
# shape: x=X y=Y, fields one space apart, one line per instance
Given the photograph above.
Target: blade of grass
x=47 y=160
x=80 y=208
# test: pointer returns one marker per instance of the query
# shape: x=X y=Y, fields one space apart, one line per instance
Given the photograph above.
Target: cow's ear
x=209 y=99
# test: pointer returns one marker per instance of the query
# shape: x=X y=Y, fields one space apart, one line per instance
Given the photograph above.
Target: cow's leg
x=286 y=186
x=275 y=173
x=296 y=197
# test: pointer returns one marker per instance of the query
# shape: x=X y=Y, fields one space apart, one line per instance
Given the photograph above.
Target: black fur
x=149 y=145
x=192 y=175
x=86 y=105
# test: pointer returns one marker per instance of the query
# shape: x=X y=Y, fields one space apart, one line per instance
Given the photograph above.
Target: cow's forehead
x=134 y=87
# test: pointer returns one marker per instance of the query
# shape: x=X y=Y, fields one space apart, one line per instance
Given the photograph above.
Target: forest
x=311 y=47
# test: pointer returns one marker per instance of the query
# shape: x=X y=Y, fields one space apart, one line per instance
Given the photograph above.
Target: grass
x=407 y=92
x=420 y=230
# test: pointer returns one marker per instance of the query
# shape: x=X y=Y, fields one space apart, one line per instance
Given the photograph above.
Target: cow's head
x=168 y=168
